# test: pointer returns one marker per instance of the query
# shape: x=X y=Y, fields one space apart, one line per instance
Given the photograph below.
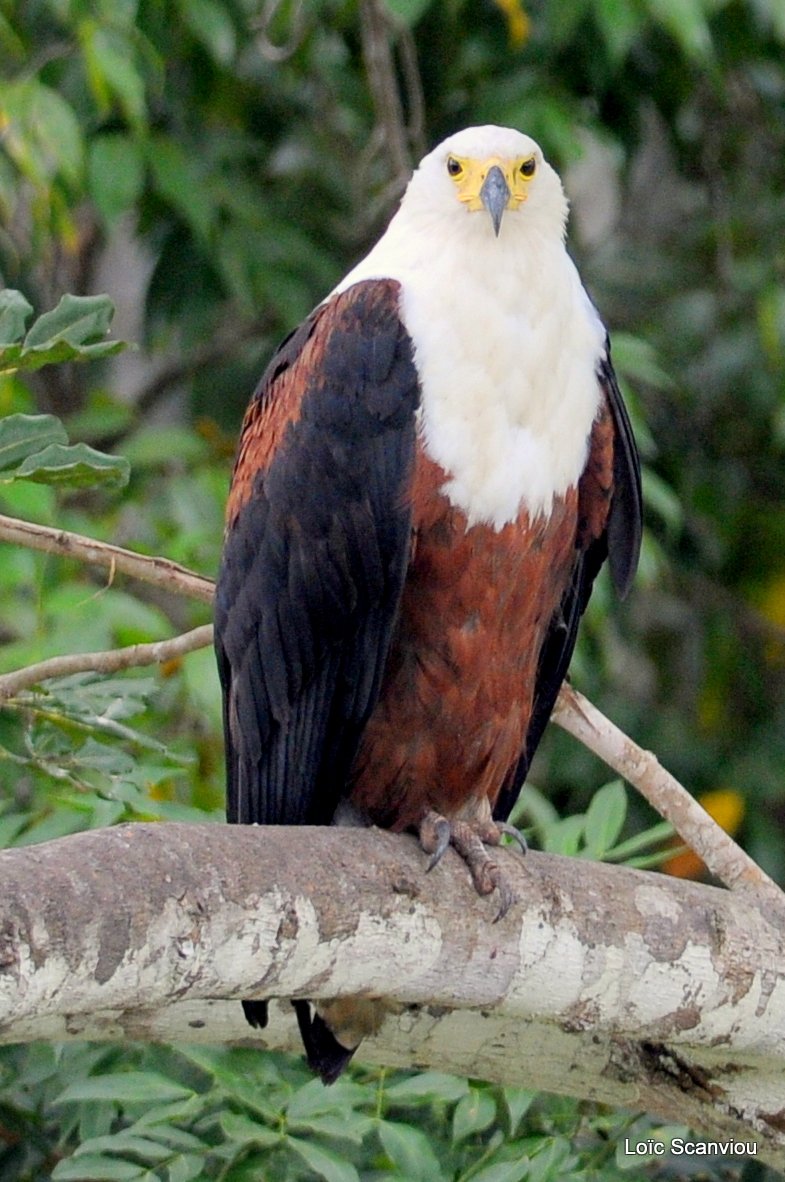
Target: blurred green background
x=215 y=166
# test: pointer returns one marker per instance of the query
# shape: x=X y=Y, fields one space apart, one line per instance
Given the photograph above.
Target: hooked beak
x=495 y=194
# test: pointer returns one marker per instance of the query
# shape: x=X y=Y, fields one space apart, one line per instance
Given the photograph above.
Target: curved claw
x=515 y=834
x=507 y=897
x=443 y=834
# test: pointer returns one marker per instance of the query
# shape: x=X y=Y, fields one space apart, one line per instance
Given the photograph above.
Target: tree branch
x=603 y=982
x=110 y=661
x=377 y=28
x=159 y=571
x=723 y=857
x=574 y=713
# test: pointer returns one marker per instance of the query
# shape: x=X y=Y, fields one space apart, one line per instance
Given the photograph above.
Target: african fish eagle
x=431 y=472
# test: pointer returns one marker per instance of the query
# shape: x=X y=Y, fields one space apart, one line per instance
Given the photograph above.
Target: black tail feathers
x=325 y=1055
x=256 y=1013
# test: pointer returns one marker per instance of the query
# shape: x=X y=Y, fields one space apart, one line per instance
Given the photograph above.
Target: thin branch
x=415 y=99
x=149 y=569
x=376 y=30
x=723 y=857
x=110 y=661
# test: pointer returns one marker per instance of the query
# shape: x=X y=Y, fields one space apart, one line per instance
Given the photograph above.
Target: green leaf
x=425 y=1088
x=115 y=171
x=58 y=131
x=473 y=1114
x=73 y=331
x=504 y=1171
x=126 y=1087
x=112 y=70
x=178 y=181
x=326 y=1165
x=10 y=826
x=242 y=1129
x=97 y=1169
x=408 y=11
x=124 y=1142
x=686 y=22
x=41 y=132
x=636 y=358
x=78 y=466
x=314 y=1099
x=14 y=312
x=410 y=1151
x=211 y=24
x=185 y=1168
x=25 y=435
x=664 y=500
x=517 y=1101
x=657 y=834
x=344 y=1126
x=621 y=23
x=554 y=1161
x=564 y=837
x=78 y=320
x=605 y=818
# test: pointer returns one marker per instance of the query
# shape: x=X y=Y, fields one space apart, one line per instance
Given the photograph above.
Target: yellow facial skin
x=469 y=175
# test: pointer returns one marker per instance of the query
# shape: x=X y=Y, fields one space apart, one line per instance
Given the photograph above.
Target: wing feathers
x=625 y=522
x=315 y=555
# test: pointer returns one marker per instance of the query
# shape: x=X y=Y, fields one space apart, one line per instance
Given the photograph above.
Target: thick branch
x=604 y=982
x=159 y=571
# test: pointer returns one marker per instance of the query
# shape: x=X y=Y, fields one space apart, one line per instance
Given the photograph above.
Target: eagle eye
x=528 y=167
x=454 y=167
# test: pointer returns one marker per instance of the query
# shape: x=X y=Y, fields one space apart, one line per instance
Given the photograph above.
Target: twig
x=109 y=661
x=723 y=857
x=268 y=48
x=376 y=28
x=415 y=99
x=159 y=571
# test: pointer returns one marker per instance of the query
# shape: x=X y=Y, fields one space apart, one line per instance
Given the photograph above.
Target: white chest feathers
x=508 y=368
x=506 y=345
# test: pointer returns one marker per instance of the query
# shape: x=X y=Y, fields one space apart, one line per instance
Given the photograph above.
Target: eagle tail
x=256 y=1013
x=326 y=1056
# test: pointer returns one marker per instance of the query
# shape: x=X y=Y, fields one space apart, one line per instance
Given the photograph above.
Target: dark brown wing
x=610 y=526
x=315 y=555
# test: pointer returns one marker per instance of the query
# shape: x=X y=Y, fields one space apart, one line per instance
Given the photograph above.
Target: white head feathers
x=506 y=341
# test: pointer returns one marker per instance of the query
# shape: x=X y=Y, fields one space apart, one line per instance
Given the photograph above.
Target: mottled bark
x=604 y=983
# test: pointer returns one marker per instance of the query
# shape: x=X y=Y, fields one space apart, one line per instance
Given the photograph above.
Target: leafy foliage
x=73 y=331
x=228 y=161
x=235 y=1115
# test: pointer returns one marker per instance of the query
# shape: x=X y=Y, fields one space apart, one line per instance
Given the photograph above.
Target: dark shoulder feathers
x=315 y=555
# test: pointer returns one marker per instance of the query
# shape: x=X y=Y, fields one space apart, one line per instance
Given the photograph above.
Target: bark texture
x=602 y=982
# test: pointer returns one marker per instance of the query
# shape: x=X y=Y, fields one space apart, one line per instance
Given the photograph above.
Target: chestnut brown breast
x=457 y=694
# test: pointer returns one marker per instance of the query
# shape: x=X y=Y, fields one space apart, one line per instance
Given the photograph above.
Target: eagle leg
x=469 y=839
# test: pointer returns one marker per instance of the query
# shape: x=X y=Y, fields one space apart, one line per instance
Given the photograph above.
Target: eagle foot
x=469 y=839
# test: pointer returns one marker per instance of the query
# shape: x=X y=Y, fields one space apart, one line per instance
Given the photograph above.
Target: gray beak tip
x=495 y=194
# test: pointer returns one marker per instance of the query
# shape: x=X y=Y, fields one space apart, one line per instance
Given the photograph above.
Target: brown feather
x=277 y=405
x=457 y=693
